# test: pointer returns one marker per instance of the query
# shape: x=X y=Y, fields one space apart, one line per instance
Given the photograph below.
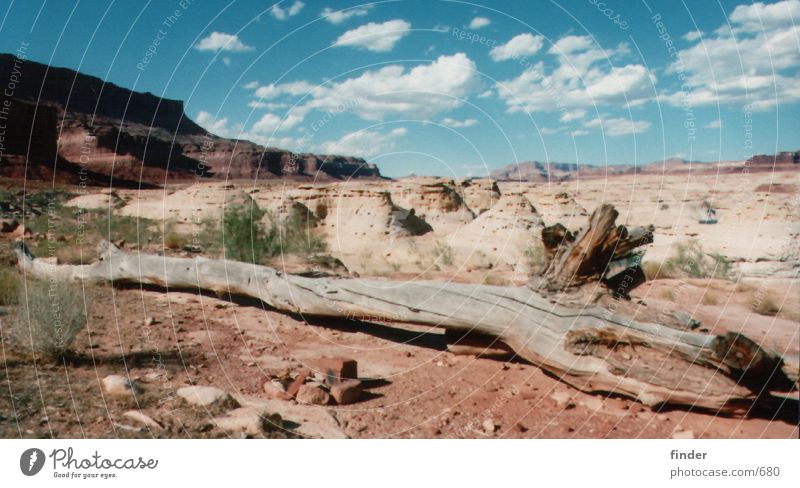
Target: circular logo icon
x=31 y=461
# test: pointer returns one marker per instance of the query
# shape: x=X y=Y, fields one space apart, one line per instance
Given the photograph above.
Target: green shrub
x=49 y=317
x=443 y=253
x=247 y=238
x=690 y=260
x=9 y=285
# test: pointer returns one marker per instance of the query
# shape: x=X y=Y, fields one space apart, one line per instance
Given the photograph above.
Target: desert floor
x=414 y=386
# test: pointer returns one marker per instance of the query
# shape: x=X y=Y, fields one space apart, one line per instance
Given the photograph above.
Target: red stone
x=337 y=369
x=298 y=382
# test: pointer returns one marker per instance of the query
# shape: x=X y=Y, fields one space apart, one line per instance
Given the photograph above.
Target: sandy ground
x=414 y=387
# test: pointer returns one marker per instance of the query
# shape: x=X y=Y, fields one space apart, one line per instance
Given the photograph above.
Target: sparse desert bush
x=535 y=258
x=244 y=237
x=764 y=303
x=710 y=298
x=443 y=254
x=296 y=236
x=49 y=317
x=690 y=260
x=656 y=270
x=247 y=238
x=172 y=238
x=9 y=285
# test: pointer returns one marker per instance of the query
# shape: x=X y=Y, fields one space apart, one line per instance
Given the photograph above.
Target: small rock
x=275 y=389
x=298 y=382
x=117 y=385
x=346 y=392
x=337 y=369
x=593 y=404
x=143 y=419
x=207 y=396
x=662 y=417
x=562 y=399
x=150 y=321
x=21 y=232
x=683 y=434
x=312 y=395
x=248 y=420
x=489 y=426
x=153 y=377
x=8 y=225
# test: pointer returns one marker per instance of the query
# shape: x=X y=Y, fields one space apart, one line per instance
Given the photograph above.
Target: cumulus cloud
x=217 y=126
x=271 y=122
x=281 y=13
x=616 y=127
x=692 y=36
x=339 y=16
x=571 y=115
x=479 y=22
x=457 y=124
x=578 y=80
x=294 y=88
x=220 y=41
x=751 y=62
x=421 y=92
x=363 y=143
x=519 y=46
x=379 y=38
x=250 y=85
x=714 y=124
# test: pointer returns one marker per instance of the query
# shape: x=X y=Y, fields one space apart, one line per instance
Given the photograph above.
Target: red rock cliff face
x=131 y=137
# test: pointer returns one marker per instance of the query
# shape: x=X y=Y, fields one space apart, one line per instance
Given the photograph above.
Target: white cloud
x=284 y=13
x=692 y=36
x=752 y=62
x=578 y=80
x=579 y=132
x=421 y=92
x=479 y=22
x=273 y=123
x=293 y=88
x=758 y=16
x=379 y=38
x=486 y=94
x=519 y=46
x=363 y=143
x=339 y=16
x=714 y=124
x=226 y=61
x=615 y=127
x=571 y=115
x=268 y=105
x=216 y=126
x=251 y=85
x=219 y=41
x=456 y=124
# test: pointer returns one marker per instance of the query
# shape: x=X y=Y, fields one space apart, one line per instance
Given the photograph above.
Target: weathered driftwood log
x=585 y=256
x=591 y=349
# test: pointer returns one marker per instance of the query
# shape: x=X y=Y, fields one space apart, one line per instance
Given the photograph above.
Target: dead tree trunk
x=589 y=255
x=591 y=349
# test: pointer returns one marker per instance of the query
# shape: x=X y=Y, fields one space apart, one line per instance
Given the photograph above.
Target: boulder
x=138 y=417
x=312 y=395
x=8 y=225
x=249 y=421
x=117 y=385
x=275 y=389
x=337 y=369
x=207 y=396
x=346 y=392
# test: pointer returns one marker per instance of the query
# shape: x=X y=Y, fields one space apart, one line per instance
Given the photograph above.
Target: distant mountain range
x=554 y=172
x=66 y=126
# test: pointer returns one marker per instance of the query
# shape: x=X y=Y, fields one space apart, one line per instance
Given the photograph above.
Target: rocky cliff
x=555 y=172
x=60 y=122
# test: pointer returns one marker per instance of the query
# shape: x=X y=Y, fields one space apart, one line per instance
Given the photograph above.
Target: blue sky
x=449 y=88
